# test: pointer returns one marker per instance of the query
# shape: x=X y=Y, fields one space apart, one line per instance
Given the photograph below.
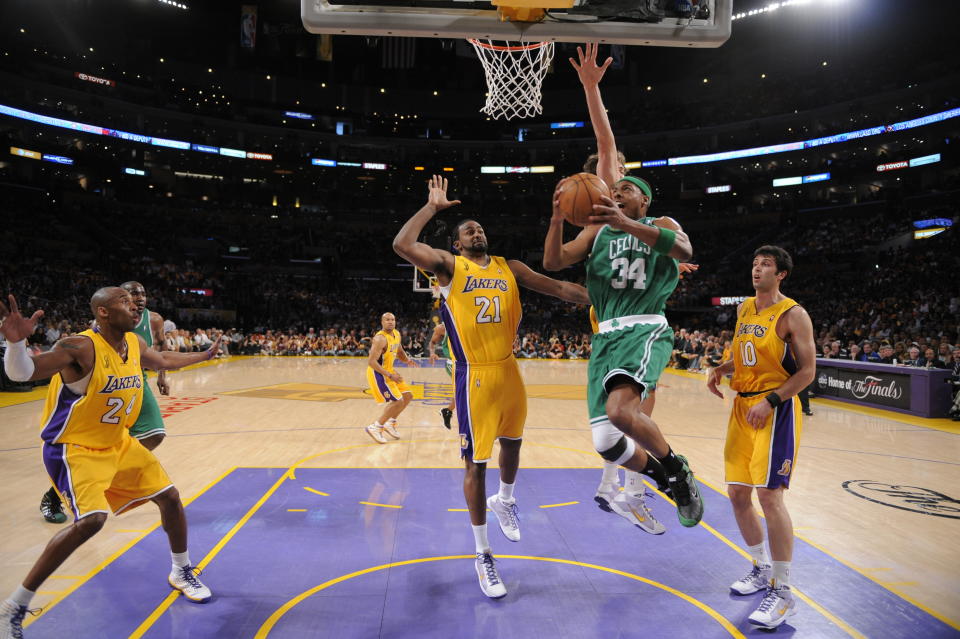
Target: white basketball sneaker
x=185 y=580
x=11 y=620
x=490 y=582
x=606 y=491
x=777 y=605
x=390 y=428
x=507 y=515
x=633 y=508
x=376 y=433
x=756 y=580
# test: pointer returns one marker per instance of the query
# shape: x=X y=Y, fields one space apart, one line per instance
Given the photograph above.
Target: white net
x=515 y=75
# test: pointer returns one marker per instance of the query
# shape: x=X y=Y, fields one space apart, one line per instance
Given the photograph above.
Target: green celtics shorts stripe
x=149 y=422
x=639 y=352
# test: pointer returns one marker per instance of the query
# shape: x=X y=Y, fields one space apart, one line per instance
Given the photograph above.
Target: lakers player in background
x=481 y=313
x=149 y=428
x=94 y=397
x=773 y=359
x=386 y=385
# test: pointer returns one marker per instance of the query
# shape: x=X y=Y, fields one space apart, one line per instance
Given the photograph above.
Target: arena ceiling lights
x=174 y=3
x=933 y=118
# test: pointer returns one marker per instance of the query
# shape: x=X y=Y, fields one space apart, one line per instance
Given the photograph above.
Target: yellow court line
x=65 y=577
x=370 y=503
x=899 y=583
x=278 y=614
x=109 y=560
x=296 y=510
x=315 y=491
x=160 y=609
x=566 y=503
x=865 y=572
x=49 y=592
x=133 y=530
x=934 y=423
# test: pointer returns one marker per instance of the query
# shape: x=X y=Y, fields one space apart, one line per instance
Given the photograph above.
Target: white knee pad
x=611 y=443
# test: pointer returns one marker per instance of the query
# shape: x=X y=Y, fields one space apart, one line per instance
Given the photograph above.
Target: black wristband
x=774 y=399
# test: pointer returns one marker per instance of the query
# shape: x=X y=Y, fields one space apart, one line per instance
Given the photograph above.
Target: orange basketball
x=578 y=195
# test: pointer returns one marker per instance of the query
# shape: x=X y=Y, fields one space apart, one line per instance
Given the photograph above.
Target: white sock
x=480 y=538
x=21 y=596
x=781 y=574
x=180 y=559
x=633 y=482
x=506 y=492
x=611 y=473
x=759 y=554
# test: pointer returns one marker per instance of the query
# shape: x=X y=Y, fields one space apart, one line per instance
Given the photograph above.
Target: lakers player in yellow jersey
x=386 y=385
x=773 y=358
x=94 y=397
x=481 y=313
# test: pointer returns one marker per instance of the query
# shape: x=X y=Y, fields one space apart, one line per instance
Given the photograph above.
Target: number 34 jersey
x=626 y=277
x=481 y=311
x=101 y=416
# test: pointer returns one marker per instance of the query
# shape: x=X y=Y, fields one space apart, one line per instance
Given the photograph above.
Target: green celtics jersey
x=143 y=328
x=626 y=277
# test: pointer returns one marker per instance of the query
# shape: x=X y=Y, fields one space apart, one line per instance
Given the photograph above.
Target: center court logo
x=912 y=498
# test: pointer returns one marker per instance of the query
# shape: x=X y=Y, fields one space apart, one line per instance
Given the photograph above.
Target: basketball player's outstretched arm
x=170 y=360
x=556 y=254
x=160 y=344
x=566 y=291
x=405 y=244
x=71 y=355
x=438 y=333
x=590 y=76
x=610 y=213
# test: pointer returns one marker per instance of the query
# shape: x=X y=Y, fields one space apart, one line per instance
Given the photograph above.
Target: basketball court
x=304 y=527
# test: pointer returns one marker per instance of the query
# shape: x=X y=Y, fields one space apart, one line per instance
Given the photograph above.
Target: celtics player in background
x=440 y=335
x=632 y=268
x=148 y=429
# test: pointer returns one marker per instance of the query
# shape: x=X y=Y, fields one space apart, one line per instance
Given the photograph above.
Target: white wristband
x=17 y=363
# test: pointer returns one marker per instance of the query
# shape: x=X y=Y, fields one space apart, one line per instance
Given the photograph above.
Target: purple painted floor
x=278 y=555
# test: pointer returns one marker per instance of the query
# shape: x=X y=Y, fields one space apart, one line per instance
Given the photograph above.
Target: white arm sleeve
x=17 y=363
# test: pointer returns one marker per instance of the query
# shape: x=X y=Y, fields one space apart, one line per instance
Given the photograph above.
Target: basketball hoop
x=515 y=75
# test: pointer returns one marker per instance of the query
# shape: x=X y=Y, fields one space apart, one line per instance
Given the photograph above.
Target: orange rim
x=496 y=47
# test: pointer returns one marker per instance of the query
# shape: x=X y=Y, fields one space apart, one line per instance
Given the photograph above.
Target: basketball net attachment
x=515 y=73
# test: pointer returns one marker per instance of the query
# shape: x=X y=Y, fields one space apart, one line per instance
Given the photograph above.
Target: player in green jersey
x=148 y=429
x=440 y=336
x=631 y=271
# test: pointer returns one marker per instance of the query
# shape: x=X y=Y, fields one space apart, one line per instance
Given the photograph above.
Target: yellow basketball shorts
x=762 y=457
x=491 y=403
x=101 y=480
x=383 y=389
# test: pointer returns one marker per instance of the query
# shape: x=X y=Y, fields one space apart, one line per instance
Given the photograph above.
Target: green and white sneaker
x=686 y=494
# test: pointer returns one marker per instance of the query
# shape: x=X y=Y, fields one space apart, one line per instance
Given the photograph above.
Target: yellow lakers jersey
x=100 y=417
x=762 y=361
x=389 y=354
x=481 y=311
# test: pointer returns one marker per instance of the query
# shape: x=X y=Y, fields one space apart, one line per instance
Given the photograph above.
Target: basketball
x=578 y=195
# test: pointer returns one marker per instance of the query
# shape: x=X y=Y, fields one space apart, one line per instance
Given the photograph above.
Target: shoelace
x=770 y=600
x=16 y=622
x=189 y=575
x=492 y=577
x=513 y=515
x=680 y=488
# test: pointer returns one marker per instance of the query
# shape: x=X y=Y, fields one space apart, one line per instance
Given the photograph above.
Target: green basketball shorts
x=149 y=422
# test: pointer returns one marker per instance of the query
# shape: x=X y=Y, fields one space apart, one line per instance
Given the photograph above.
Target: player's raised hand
x=13 y=326
x=213 y=350
x=590 y=74
x=687 y=267
x=557 y=215
x=437 y=195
